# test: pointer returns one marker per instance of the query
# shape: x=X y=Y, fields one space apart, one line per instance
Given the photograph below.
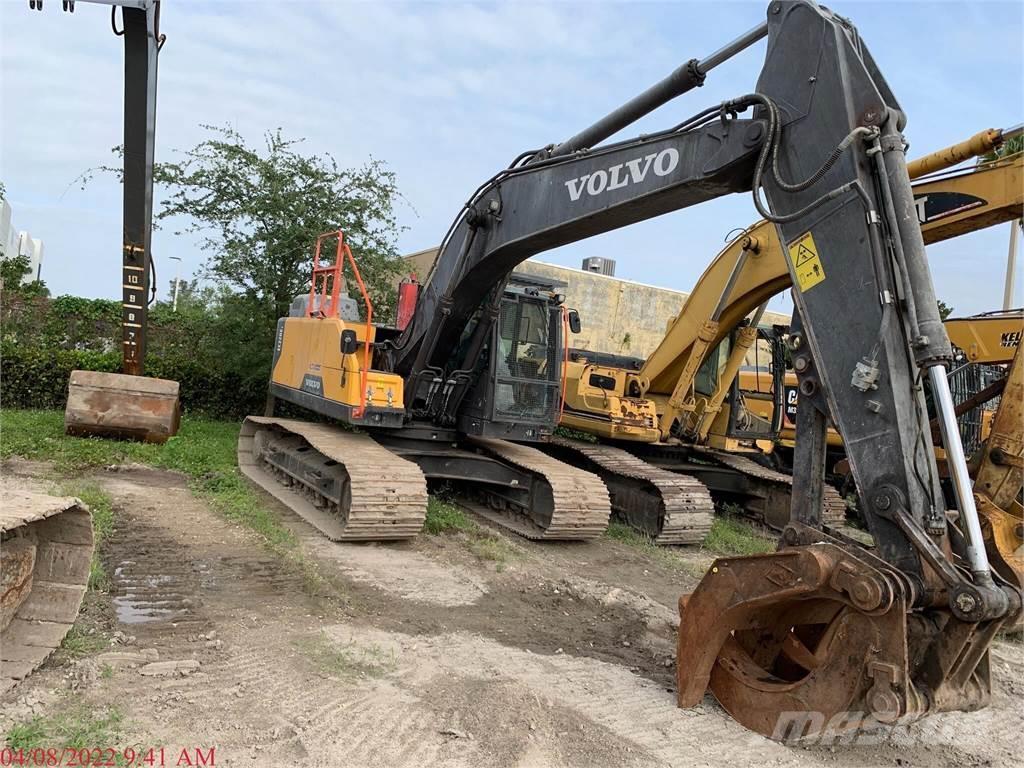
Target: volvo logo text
x=623 y=174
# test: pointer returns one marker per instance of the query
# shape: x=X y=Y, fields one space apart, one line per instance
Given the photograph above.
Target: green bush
x=221 y=361
x=33 y=377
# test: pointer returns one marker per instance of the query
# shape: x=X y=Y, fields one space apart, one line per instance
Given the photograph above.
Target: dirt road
x=418 y=654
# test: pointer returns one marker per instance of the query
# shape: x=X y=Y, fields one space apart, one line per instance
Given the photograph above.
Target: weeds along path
x=462 y=649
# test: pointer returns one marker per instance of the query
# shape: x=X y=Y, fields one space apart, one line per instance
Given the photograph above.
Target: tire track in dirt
x=456 y=685
x=631 y=710
x=637 y=712
x=219 y=580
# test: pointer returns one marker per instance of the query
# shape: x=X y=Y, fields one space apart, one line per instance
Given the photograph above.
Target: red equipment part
x=408 y=293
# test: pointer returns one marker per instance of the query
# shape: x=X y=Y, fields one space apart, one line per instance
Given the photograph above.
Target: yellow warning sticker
x=803 y=254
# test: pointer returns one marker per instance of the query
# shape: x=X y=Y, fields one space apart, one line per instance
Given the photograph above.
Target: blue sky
x=447 y=94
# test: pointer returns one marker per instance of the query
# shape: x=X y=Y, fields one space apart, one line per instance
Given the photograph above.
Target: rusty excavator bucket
x=46 y=546
x=116 y=405
x=816 y=640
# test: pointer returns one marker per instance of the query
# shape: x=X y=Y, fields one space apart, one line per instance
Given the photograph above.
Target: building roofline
x=684 y=294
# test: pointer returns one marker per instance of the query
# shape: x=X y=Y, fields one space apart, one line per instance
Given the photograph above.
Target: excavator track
x=834 y=511
x=341 y=482
x=671 y=508
x=46 y=546
x=579 y=507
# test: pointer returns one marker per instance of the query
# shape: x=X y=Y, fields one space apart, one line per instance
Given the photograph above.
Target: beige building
x=618 y=316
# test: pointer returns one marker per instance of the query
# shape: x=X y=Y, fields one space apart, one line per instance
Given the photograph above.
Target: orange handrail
x=334 y=275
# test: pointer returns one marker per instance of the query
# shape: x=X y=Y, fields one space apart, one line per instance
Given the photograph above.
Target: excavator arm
x=550 y=202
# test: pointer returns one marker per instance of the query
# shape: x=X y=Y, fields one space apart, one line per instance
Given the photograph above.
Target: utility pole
x=1011 y=264
x=177 y=282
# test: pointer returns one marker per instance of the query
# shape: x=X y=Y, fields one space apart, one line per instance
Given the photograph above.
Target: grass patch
x=492 y=548
x=728 y=536
x=669 y=556
x=348 y=660
x=575 y=434
x=78 y=642
x=732 y=536
x=622 y=532
x=102 y=507
x=81 y=727
x=203 y=449
x=444 y=517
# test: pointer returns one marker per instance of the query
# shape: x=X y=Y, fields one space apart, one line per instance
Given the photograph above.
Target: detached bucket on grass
x=123 y=407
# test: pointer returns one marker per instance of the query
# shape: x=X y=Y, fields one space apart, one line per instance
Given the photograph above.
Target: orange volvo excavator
x=823 y=625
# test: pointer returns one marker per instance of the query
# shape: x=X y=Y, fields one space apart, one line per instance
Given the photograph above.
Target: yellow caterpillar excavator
x=823 y=626
x=681 y=412
x=999 y=476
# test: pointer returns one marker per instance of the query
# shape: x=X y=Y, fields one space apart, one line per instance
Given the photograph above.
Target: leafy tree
x=944 y=309
x=13 y=270
x=193 y=296
x=258 y=212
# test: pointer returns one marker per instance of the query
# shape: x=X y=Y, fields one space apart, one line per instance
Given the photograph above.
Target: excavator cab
x=519 y=397
x=749 y=418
